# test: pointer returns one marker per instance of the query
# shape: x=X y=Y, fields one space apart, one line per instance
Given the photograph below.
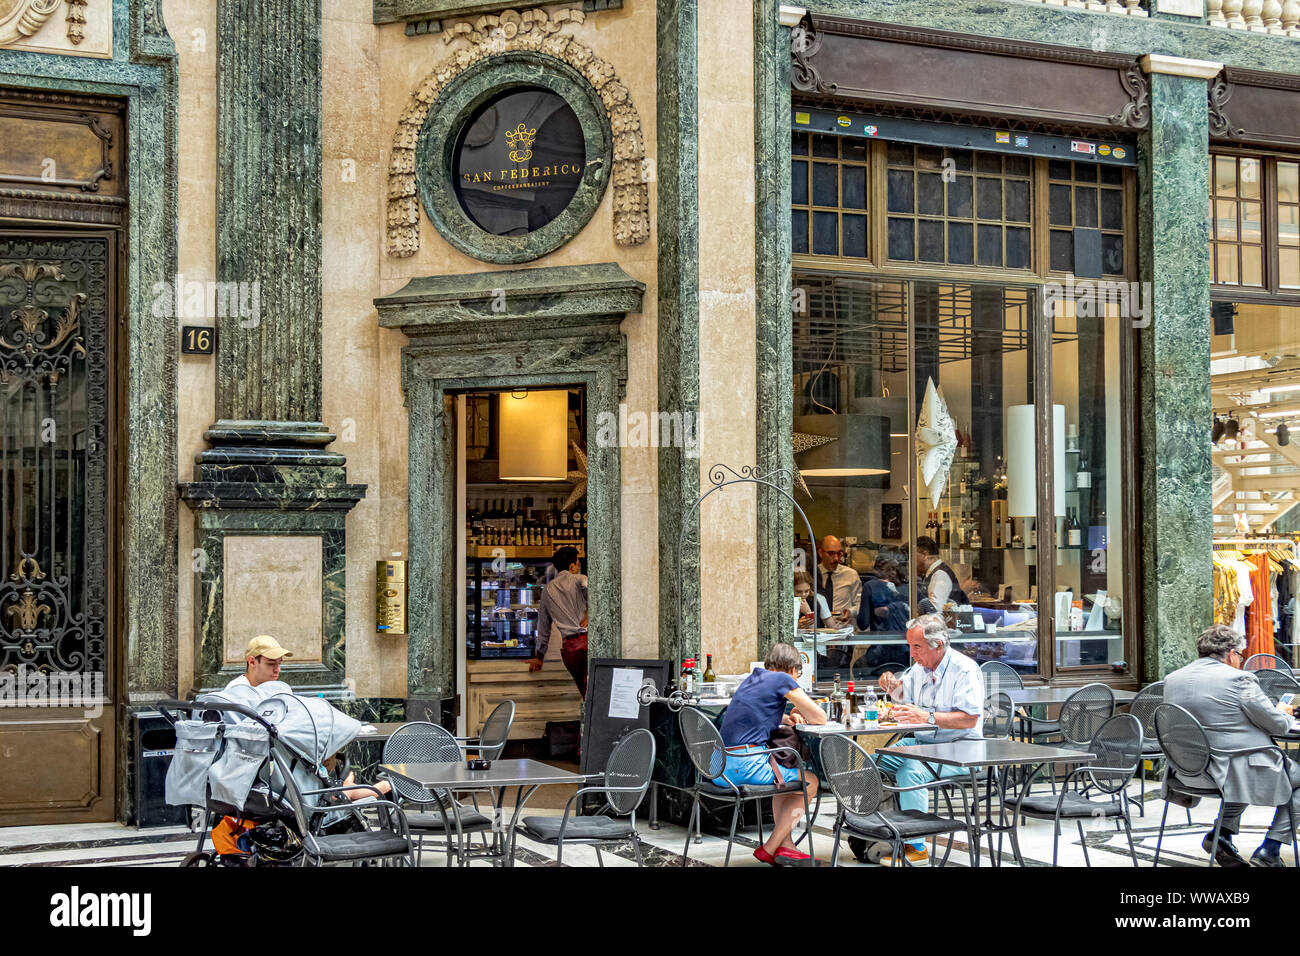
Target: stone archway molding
x=536 y=31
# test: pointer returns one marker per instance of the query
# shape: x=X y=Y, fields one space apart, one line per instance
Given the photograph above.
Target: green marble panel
x=1177 y=522
x=454 y=346
x=677 y=122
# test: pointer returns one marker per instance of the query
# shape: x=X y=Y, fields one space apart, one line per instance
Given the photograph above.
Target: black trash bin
x=154 y=743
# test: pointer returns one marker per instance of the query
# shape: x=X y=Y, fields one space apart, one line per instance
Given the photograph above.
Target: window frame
x=1271 y=291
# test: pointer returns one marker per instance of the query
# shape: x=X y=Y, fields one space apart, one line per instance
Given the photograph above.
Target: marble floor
x=110 y=844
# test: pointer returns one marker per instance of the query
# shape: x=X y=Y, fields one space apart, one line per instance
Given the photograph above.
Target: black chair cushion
x=746 y=789
x=471 y=821
x=1151 y=748
x=1072 y=806
x=1043 y=728
x=547 y=829
x=366 y=845
x=909 y=823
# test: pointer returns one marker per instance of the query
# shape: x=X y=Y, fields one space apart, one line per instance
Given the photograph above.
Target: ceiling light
x=1231 y=428
x=1283 y=434
x=1216 y=430
x=1280 y=413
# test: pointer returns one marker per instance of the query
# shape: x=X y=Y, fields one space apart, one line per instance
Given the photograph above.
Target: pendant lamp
x=860 y=445
x=533 y=435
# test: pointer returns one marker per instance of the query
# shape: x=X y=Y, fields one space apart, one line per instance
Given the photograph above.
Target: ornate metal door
x=56 y=713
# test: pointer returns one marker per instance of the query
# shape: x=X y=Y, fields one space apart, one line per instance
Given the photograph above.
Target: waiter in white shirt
x=939 y=582
x=562 y=615
x=839 y=582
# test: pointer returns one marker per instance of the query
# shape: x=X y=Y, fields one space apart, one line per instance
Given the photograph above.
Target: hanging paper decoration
x=936 y=442
x=804 y=442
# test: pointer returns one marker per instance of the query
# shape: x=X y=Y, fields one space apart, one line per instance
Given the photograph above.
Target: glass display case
x=501 y=605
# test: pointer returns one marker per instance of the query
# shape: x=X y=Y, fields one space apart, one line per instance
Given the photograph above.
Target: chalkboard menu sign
x=518 y=161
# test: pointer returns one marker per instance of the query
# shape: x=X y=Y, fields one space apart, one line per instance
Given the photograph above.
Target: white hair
x=933 y=629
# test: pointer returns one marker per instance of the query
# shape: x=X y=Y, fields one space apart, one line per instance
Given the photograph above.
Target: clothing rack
x=1236 y=543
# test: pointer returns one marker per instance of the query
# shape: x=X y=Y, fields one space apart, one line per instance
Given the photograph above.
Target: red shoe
x=795 y=856
x=763 y=856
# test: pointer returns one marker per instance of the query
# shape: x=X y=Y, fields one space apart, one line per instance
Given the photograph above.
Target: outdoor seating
x=1143 y=707
x=1265 y=662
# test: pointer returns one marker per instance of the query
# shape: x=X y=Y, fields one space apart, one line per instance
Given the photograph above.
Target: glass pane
x=929 y=240
x=853 y=148
x=1288 y=225
x=1058 y=169
x=900 y=239
x=989 y=198
x=854 y=179
x=1250 y=231
x=855 y=236
x=1060 y=254
x=1226 y=272
x=961 y=243
x=1018 y=244
x=961 y=158
x=1085 y=207
x=1289 y=263
x=825 y=189
x=1085 y=172
x=1250 y=174
x=975 y=344
x=799 y=230
x=1112 y=175
x=989 y=251
x=1288 y=187
x=852 y=348
x=899 y=154
x=1225 y=176
x=960 y=201
x=799 y=144
x=1086 y=389
x=1017 y=201
x=929 y=194
x=826 y=228
x=799 y=183
x=900 y=190
x=1225 y=219
x=988 y=163
x=1112 y=209
x=823 y=145
x=1016 y=165
x=1112 y=255
x=1058 y=206
x=1252 y=266
x=929 y=157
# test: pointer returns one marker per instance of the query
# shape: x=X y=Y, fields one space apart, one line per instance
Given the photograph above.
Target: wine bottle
x=1083 y=477
x=1074 y=532
x=709 y=676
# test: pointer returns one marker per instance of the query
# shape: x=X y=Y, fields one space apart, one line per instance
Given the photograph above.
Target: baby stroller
x=253 y=764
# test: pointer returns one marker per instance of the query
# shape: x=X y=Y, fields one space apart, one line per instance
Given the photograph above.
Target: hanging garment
x=1225 y=590
x=1259 y=636
x=1245 y=596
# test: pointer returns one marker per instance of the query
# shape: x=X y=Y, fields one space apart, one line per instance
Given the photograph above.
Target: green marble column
x=679 y=318
x=773 y=320
x=1174 y=367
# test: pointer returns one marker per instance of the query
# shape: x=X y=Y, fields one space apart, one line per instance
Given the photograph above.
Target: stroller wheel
x=197 y=858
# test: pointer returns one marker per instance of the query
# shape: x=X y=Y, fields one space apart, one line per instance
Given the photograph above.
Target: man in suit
x=1237 y=715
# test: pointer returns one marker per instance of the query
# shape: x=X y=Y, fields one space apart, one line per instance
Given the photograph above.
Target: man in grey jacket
x=1237 y=715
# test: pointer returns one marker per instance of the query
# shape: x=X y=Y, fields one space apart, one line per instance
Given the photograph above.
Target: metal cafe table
x=976 y=755
x=527 y=775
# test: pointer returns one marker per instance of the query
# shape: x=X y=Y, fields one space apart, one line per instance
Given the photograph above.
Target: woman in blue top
x=756 y=710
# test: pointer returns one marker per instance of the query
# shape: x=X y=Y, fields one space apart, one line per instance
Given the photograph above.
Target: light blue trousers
x=910 y=773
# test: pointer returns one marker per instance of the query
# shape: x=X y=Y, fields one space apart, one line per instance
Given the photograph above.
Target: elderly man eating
x=944 y=689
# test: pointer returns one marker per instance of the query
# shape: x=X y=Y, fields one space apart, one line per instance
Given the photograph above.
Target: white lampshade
x=534 y=435
x=1022 y=461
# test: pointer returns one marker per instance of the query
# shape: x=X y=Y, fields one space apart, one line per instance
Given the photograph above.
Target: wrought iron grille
x=53 y=454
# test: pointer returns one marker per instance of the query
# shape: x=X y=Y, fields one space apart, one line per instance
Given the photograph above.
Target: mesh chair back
x=1084 y=712
x=1183 y=740
x=1144 y=705
x=852 y=773
x=999 y=677
x=496 y=730
x=1266 y=662
x=1275 y=683
x=703 y=742
x=1118 y=746
x=999 y=715
x=420 y=742
x=630 y=765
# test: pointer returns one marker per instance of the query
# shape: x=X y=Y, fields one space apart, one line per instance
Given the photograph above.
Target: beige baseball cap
x=264 y=645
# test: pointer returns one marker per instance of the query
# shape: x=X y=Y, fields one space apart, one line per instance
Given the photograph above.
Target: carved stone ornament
x=76 y=20
x=536 y=31
x=1137 y=111
x=20 y=19
x=805 y=41
x=1220 y=126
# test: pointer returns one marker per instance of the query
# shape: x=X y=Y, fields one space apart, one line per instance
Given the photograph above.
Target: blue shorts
x=745 y=767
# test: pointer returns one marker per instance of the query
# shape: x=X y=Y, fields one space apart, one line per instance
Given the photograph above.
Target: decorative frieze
x=539 y=32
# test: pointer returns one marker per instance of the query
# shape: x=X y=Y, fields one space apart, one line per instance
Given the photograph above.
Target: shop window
x=1288 y=225
x=1085 y=196
x=828 y=189
x=1236 y=208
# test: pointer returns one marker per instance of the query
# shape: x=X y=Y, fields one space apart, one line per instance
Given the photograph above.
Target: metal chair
x=1143 y=707
x=1000 y=677
x=627 y=777
x=1118 y=746
x=1085 y=712
x=386 y=837
x=709 y=757
x=1265 y=662
x=1275 y=683
x=859 y=792
x=492 y=738
x=999 y=715
x=423 y=742
x=1188 y=752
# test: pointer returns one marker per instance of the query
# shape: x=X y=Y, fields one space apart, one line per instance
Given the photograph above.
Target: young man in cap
x=263 y=655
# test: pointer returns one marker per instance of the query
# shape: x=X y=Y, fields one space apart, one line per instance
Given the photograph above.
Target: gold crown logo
x=520 y=139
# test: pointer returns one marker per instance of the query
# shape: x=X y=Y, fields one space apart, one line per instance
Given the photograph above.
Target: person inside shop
x=943 y=688
x=1238 y=715
x=839 y=582
x=262 y=656
x=803 y=589
x=884 y=605
x=939 y=582
x=562 y=615
x=755 y=712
